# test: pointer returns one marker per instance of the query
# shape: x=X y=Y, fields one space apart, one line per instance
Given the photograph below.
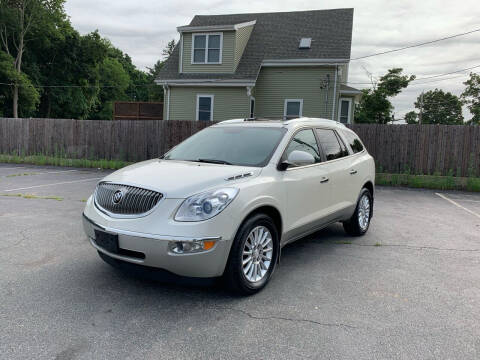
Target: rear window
x=331 y=145
x=353 y=141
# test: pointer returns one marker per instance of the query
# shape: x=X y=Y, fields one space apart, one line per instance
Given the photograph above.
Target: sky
x=142 y=29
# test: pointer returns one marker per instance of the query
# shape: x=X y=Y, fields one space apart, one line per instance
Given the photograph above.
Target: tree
x=115 y=82
x=471 y=97
x=156 y=91
x=18 y=20
x=375 y=107
x=411 y=117
x=27 y=93
x=138 y=87
x=392 y=83
x=67 y=66
x=50 y=70
x=169 y=49
x=440 y=107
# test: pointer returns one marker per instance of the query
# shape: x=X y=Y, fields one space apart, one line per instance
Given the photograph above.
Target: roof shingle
x=276 y=36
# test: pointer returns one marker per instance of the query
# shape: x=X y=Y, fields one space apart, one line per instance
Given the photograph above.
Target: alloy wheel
x=257 y=254
x=364 y=212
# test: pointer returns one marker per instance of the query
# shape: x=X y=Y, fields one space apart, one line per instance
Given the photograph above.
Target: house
x=284 y=64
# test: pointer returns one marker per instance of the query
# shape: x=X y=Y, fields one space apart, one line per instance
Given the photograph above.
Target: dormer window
x=207 y=48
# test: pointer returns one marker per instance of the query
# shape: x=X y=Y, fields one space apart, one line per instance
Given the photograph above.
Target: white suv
x=227 y=199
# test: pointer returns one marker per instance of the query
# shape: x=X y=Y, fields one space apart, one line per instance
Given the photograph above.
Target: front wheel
x=253 y=255
x=358 y=224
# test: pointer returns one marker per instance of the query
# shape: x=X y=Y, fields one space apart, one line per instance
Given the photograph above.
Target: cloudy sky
x=142 y=28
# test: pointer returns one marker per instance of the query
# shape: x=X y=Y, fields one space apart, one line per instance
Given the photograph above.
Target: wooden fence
x=137 y=110
x=129 y=140
x=423 y=149
x=419 y=149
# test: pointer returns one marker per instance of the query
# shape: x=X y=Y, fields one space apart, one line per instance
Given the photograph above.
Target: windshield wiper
x=213 y=161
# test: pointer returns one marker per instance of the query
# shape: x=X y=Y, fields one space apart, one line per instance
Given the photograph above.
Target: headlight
x=187 y=247
x=205 y=205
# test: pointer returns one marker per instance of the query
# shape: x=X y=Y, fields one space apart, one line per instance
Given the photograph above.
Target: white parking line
x=60 y=183
x=55 y=172
x=11 y=168
x=458 y=205
x=40 y=173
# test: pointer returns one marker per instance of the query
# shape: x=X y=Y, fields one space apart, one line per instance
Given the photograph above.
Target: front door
x=345 y=111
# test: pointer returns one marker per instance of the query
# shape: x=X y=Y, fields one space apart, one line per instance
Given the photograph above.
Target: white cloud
x=143 y=28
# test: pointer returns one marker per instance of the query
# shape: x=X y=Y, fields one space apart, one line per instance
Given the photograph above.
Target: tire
x=245 y=280
x=355 y=226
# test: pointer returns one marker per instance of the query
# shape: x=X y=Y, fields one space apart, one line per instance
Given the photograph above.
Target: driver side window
x=304 y=140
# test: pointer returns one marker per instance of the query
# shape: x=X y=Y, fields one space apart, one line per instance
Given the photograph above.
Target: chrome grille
x=133 y=201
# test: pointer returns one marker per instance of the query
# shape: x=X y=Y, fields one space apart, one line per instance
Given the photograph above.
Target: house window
x=252 y=107
x=344 y=111
x=207 y=48
x=205 y=107
x=293 y=108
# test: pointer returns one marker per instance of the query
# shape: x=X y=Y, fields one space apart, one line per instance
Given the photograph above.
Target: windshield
x=246 y=146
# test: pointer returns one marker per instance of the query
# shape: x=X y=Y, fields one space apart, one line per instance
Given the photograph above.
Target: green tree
x=471 y=97
x=114 y=82
x=156 y=91
x=138 y=87
x=169 y=49
x=375 y=106
x=440 y=107
x=20 y=21
x=27 y=94
x=68 y=66
x=411 y=117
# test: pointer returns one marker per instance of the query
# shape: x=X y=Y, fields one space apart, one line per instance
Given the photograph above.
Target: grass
x=31 y=196
x=62 y=161
x=437 y=182
x=429 y=181
x=24 y=174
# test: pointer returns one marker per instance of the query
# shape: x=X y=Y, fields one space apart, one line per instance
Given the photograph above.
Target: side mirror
x=297 y=158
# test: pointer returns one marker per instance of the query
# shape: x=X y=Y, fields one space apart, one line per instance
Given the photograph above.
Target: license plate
x=107 y=241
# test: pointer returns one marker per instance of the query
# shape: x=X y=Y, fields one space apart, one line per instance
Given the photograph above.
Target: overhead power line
x=449 y=73
x=416 y=45
x=425 y=77
x=81 y=86
x=438 y=80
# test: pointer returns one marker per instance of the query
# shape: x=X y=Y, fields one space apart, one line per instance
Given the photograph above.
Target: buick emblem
x=117 y=196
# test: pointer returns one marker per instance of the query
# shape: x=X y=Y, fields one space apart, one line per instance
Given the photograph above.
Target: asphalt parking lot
x=409 y=289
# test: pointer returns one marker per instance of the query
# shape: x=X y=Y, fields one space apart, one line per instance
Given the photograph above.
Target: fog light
x=188 y=247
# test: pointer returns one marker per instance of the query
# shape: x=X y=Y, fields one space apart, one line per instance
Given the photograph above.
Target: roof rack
x=266 y=118
x=284 y=119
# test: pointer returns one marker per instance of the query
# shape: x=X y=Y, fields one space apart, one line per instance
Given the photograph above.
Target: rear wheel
x=358 y=224
x=253 y=255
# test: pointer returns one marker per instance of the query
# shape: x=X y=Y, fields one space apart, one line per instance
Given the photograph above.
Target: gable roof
x=276 y=37
x=348 y=89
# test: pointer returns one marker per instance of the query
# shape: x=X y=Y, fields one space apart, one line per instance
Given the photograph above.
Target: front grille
x=132 y=201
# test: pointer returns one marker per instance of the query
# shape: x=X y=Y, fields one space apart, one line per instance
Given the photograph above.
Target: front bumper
x=205 y=264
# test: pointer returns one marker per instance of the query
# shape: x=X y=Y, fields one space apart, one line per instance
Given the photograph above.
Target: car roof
x=290 y=124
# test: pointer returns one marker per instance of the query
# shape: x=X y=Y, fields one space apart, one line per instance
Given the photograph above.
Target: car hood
x=180 y=179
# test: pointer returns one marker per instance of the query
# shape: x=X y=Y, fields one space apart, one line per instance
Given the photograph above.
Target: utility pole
x=421 y=109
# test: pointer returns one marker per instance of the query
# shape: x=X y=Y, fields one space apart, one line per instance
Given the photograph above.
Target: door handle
x=324 y=180
x=353 y=172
